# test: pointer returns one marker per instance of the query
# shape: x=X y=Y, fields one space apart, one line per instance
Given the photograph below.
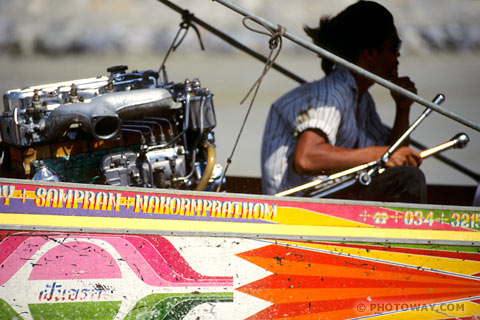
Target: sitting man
x=330 y=125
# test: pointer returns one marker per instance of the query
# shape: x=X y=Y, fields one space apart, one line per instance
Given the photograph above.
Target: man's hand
x=404 y=156
x=314 y=155
x=401 y=101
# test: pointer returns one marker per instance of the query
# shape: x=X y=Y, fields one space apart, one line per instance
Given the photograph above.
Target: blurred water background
x=43 y=41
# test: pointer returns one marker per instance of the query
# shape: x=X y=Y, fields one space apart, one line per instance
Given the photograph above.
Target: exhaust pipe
x=102 y=116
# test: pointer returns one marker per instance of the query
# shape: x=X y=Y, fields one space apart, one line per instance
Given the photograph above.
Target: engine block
x=127 y=128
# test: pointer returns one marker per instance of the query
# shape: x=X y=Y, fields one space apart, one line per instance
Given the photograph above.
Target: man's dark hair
x=363 y=25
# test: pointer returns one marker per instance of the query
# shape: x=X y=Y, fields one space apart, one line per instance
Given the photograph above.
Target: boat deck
x=436 y=194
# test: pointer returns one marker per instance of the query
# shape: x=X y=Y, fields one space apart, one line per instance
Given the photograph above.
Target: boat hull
x=79 y=251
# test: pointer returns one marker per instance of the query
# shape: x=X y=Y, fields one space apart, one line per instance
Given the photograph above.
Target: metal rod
x=427 y=153
x=329 y=178
x=459 y=141
x=439 y=98
x=475 y=176
x=326 y=54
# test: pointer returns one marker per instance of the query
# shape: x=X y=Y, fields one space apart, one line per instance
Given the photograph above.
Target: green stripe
x=75 y=310
x=455 y=218
x=7 y=312
x=173 y=306
x=466 y=249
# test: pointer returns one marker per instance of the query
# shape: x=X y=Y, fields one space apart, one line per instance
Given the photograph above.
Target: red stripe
x=349 y=307
x=462 y=318
x=281 y=254
x=299 y=281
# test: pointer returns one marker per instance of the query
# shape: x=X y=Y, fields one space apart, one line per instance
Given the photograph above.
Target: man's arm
x=314 y=155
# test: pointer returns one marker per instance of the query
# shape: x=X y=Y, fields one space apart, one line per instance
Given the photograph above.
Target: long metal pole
x=326 y=54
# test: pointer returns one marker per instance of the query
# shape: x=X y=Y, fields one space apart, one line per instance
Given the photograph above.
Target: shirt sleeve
x=325 y=118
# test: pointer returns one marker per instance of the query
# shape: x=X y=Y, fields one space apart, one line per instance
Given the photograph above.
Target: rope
x=275 y=45
x=274 y=42
x=186 y=23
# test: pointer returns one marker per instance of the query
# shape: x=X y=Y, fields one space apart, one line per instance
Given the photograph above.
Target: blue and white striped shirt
x=328 y=104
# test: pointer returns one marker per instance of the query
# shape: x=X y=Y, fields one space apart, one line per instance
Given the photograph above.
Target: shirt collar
x=345 y=75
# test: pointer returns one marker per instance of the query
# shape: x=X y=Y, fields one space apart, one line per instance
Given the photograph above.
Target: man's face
x=386 y=64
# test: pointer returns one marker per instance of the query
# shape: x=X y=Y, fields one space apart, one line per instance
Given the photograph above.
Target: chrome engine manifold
x=127 y=129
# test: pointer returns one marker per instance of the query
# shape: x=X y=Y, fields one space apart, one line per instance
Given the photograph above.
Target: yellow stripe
x=438 y=263
x=130 y=224
x=298 y=216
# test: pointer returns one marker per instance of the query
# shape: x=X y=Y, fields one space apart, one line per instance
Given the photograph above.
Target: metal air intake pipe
x=102 y=116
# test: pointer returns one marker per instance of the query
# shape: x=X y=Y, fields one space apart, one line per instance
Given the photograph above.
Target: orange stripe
x=345 y=309
x=326 y=270
x=320 y=294
x=457 y=262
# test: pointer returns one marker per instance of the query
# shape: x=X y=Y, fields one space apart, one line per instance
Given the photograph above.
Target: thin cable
x=275 y=45
x=184 y=25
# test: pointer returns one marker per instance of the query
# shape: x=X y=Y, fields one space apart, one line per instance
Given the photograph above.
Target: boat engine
x=124 y=129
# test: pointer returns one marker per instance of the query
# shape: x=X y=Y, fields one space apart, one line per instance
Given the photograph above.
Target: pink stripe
x=16 y=251
x=153 y=259
x=151 y=247
x=76 y=260
x=150 y=265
